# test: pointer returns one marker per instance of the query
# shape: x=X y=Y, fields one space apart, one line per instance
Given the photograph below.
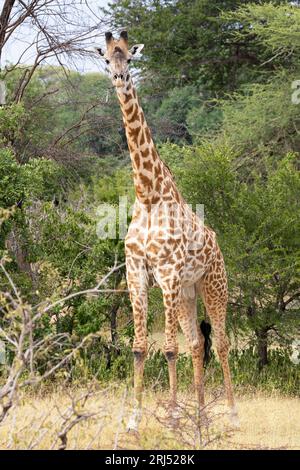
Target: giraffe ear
x=136 y=49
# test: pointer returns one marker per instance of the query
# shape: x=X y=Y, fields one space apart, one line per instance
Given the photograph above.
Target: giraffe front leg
x=171 y=303
x=138 y=297
x=136 y=415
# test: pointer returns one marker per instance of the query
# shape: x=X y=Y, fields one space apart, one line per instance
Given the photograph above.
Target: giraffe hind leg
x=217 y=317
x=213 y=290
x=171 y=345
x=188 y=322
x=139 y=301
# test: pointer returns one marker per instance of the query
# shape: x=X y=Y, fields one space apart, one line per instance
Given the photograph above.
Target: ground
x=267 y=422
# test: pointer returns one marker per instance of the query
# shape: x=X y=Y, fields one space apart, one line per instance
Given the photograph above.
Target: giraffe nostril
x=115 y=76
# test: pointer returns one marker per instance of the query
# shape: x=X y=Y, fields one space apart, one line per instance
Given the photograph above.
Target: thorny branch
x=25 y=349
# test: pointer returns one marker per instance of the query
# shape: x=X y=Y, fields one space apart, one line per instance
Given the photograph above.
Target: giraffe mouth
x=119 y=83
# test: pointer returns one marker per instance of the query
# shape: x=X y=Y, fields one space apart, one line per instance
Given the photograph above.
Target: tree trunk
x=113 y=349
x=114 y=313
x=113 y=323
x=15 y=245
x=4 y=21
x=262 y=347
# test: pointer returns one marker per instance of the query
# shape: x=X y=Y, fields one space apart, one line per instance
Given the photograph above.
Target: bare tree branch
x=19 y=334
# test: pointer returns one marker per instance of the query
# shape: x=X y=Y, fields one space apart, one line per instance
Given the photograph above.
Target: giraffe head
x=118 y=56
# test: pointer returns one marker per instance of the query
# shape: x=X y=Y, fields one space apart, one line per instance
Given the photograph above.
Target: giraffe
x=166 y=244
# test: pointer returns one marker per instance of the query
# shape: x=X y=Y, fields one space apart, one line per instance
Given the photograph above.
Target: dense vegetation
x=216 y=84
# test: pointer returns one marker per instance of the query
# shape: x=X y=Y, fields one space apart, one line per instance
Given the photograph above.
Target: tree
x=63 y=38
x=171 y=116
x=66 y=118
x=261 y=119
x=265 y=131
x=189 y=43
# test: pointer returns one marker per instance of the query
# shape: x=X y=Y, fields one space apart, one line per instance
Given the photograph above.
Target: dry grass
x=266 y=422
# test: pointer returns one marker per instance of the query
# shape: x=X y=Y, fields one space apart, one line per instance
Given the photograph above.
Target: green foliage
x=280 y=375
x=276 y=27
x=111 y=187
x=262 y=119
x=11 y=119
x=204 y=119
x=38 y=179
x=170 y=118
x=190 y=42
x=62 y=109
x=216 y=73
x=42 y=179
x=11 y=181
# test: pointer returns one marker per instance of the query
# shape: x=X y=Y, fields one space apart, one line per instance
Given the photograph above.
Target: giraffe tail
x=206 y=330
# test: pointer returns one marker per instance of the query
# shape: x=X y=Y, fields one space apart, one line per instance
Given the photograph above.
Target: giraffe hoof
x=132 y=427
x=134 y=421
x=234 y=418
x=173 y=416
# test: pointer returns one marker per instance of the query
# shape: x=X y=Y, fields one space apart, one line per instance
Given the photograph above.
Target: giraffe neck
x=152 y=179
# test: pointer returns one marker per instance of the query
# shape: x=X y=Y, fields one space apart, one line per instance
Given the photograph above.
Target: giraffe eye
x=128 y=61
x=107 y=61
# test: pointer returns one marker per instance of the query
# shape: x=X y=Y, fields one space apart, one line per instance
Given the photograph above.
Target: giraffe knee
x=171 y=351
x=139 y=350
x=139 y=356
x=223 y=346
x=198 y=355
x=197 y=346
x=171 y=355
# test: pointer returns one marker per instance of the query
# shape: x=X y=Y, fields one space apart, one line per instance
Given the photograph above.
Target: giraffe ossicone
x=184 y=263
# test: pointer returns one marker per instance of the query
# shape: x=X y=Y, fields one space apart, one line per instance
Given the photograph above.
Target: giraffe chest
x=166 y=249
x=155 y=237
x=155 y=245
